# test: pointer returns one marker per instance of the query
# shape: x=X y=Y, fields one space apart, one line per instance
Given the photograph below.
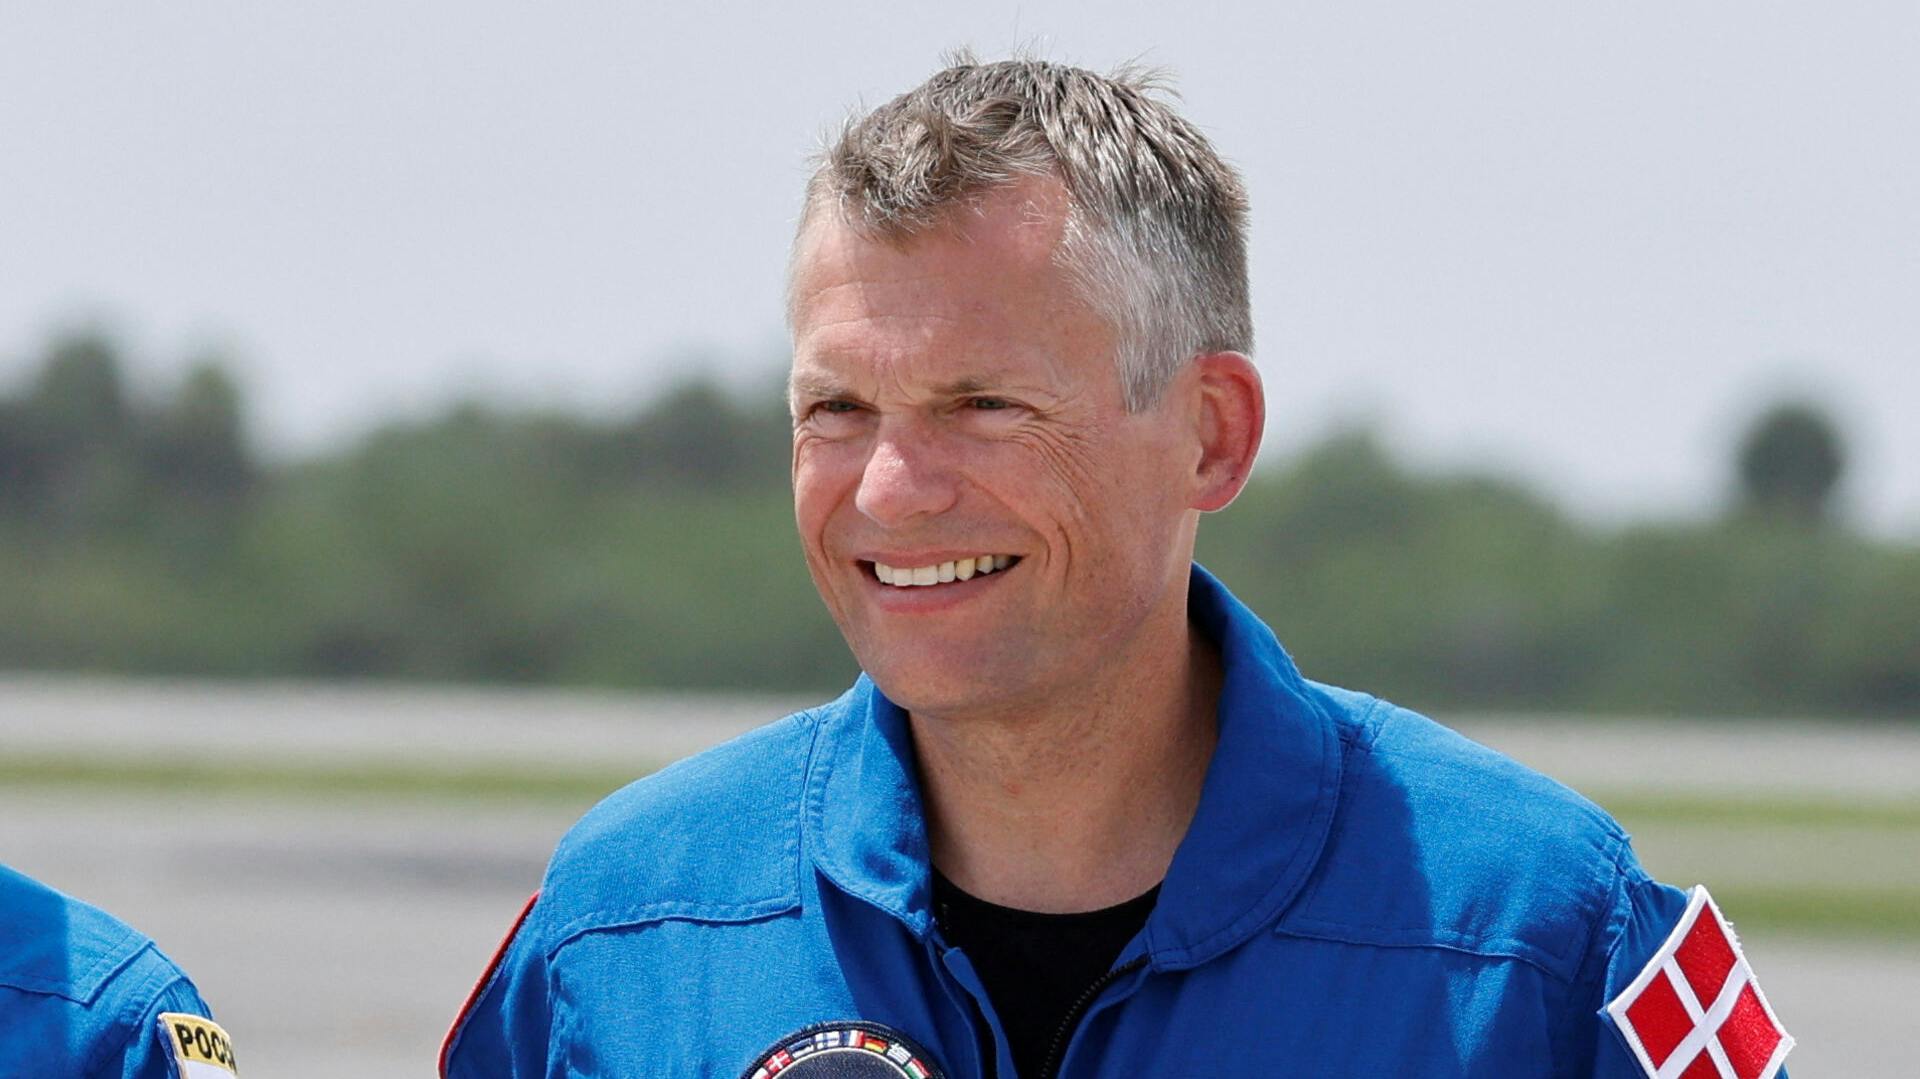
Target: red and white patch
x=1695 y=1011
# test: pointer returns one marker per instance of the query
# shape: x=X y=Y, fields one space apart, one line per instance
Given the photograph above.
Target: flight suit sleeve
x=149 y=1054
x=148 y=1050
x=1644 y=913
x=504 y=1028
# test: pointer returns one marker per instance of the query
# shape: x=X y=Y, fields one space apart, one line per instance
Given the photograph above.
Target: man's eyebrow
x=816 y=386
x=826 y=386
x=961 y=387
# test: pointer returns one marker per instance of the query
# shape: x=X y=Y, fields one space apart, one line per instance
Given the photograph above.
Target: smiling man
x=1081 y=816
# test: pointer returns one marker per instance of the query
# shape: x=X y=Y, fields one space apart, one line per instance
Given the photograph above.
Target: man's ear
x=1232 y=414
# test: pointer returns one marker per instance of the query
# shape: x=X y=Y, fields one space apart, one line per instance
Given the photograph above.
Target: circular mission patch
x=845 y=1049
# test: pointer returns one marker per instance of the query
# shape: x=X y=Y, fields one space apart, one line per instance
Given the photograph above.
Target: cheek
x=1108 y=498
x=822 y=475
x=812 y=510
x=1061 y=466
x=1109 y=477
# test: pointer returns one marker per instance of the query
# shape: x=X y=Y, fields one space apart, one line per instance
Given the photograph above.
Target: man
x=1080 y=816
x=84 y=995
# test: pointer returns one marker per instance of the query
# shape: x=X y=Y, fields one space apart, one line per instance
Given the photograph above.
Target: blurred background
x=392 y=458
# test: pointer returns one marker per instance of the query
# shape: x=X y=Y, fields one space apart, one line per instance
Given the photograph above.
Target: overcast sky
x=1581 y=243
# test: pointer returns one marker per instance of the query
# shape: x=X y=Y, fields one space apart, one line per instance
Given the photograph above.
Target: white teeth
x=960 y=569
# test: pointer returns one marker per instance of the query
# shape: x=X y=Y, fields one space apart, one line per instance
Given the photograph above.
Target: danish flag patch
x=1695 y=1011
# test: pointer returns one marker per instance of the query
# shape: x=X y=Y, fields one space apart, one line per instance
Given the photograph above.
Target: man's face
x=953 y=399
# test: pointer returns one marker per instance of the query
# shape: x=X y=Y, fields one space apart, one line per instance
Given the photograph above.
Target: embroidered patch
x=1695 y=1011
x=197 y=1046
x=846 y=1049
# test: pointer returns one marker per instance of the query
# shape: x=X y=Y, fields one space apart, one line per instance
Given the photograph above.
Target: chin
x=938 y=687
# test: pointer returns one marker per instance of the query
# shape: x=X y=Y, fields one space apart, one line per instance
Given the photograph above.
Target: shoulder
x=1442 y=842
x=59 y=946
x=713 y=837
x=80 y=983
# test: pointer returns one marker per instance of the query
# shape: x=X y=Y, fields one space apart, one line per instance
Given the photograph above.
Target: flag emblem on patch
x=1695 y=1011
x=847 y=1049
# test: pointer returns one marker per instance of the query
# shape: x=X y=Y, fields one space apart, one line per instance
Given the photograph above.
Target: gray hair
x=1155 y=237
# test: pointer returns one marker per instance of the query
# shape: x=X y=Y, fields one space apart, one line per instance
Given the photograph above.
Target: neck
x=1080 y=802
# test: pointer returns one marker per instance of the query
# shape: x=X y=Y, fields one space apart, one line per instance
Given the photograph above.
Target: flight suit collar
x=1264 y=814
x=865 y=827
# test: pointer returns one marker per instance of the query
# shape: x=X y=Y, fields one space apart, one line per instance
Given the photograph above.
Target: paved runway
x=337 y=936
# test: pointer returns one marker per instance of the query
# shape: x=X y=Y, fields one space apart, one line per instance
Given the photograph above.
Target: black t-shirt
x=1035 y=967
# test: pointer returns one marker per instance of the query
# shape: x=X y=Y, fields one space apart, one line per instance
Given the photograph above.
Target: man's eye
x=989 y=404
x=836 y=407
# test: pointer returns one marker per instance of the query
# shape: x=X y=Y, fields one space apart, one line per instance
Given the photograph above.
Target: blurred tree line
x=142 y=535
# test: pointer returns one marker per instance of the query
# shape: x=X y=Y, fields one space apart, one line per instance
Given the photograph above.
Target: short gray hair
x=1156 y=234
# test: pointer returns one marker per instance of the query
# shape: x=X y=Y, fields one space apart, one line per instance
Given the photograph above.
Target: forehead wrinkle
x=863 y=283
x=898 y=299
x=905 y=337
x=871 y=316
x=865 y=274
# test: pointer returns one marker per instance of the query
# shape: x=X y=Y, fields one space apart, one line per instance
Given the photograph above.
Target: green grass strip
x=1823 y=910
x=1752 y=810
x=1819 y=909
x=313 y=779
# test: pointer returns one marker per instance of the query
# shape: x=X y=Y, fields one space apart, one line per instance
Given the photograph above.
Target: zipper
x=1056 y=1052
x=984 y=1048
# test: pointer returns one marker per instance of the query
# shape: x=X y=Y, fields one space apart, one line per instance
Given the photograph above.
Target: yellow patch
x=200 y=1047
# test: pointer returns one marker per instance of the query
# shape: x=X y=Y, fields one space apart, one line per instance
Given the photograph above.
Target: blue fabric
x=80 y=991
x=1361 y=892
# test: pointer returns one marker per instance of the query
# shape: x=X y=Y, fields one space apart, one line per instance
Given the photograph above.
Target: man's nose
x=906 y=476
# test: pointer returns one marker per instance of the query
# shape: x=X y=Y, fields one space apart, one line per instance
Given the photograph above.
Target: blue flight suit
x=1361 y=892
x=80 y=991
